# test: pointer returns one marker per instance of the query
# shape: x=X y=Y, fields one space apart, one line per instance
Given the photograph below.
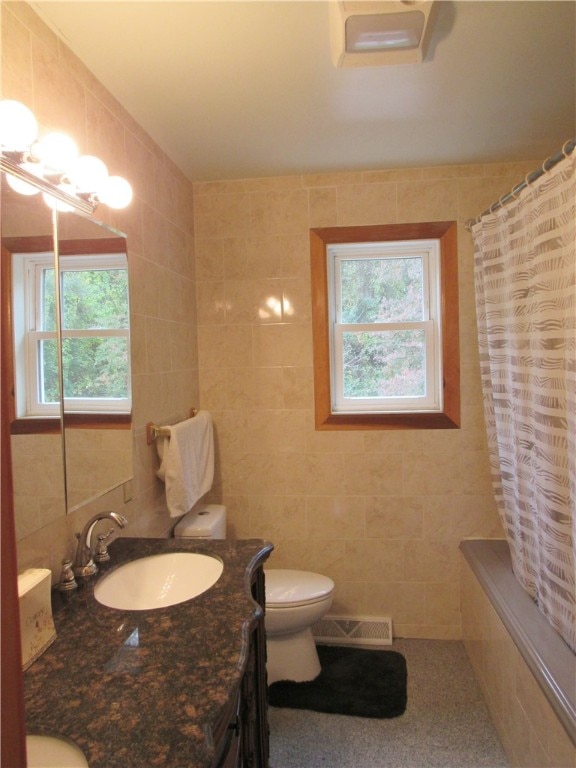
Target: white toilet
x=295 y=600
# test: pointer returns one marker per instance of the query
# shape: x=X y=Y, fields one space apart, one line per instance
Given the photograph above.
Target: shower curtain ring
x=544 y=169
x=565 y=146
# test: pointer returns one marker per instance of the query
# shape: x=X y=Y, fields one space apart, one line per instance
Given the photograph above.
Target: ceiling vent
x=375 y=34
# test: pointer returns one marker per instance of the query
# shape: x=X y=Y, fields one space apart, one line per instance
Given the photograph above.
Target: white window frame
x=27 y=269
x=428 y=250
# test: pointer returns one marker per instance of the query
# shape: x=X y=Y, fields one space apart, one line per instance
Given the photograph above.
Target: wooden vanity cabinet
x=242 y=734
x=226 y=734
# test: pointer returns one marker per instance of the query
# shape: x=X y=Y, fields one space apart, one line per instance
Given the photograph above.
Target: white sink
x=158 y=581
x=50 y=752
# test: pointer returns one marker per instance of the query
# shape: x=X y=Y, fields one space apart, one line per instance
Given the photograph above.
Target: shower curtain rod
x=547 y=165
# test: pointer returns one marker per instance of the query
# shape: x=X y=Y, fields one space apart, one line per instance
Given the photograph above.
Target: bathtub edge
x=548 y=657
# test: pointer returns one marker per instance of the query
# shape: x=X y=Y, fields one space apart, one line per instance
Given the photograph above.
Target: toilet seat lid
x=287 y=587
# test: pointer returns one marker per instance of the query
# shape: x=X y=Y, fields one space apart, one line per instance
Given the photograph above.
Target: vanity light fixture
x=371 y=34
x=52 y=165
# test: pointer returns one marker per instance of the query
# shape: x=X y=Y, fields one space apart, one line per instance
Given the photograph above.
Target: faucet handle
x=84 y=564
x=101 y=555
x=67 y=581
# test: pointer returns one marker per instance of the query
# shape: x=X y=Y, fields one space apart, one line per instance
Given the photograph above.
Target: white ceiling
x=247 y=88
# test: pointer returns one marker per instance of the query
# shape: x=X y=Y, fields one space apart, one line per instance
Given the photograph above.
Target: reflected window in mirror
x=91 y=331
x=93 y=292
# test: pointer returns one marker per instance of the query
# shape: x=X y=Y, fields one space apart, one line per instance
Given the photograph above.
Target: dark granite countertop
x=145 y=688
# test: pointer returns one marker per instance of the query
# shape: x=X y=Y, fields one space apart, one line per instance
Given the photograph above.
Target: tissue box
x=37 y=629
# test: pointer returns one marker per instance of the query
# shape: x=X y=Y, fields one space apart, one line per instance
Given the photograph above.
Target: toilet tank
x=207 y=522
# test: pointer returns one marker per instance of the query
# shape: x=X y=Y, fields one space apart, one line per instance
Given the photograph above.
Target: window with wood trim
x=385 y=324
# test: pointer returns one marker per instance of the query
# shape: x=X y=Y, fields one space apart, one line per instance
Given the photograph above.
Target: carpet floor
x=446 y=723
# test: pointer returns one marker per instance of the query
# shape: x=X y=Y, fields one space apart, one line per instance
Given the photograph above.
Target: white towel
x=187 y=462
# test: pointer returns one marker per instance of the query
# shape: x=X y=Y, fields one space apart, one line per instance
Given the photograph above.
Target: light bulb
x=57 y=151
x=23 y=187
x=88 y=174
x=116 y=192
x=18 y=126
x=59 y=205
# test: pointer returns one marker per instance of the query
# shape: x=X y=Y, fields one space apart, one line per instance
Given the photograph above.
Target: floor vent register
x=362 y=631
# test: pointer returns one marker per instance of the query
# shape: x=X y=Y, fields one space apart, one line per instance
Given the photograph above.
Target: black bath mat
x=353 y=681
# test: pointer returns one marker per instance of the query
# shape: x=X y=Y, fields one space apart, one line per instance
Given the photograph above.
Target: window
x=94 y=334
x=385 y=321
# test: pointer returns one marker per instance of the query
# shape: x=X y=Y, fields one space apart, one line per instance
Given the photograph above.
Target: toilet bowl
x=295 y=600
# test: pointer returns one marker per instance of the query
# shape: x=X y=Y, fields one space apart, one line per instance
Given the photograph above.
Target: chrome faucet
x=84 y=564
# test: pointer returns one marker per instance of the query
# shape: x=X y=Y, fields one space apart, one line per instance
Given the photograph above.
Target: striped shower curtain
x=525 y=282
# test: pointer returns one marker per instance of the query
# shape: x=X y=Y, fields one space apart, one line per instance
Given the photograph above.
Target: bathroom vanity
x=178 y=686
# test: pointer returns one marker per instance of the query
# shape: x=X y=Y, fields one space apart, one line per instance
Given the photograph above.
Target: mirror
x=65 y=459
x=93 y=268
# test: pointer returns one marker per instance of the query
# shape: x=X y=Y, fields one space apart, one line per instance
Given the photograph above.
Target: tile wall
x=40 y=71
x=380 y=512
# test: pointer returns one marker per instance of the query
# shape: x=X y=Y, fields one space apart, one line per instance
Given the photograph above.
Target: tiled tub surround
x=526 y=671
x=143 y=688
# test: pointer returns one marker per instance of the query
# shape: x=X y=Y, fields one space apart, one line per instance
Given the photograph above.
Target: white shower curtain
x=525 y=278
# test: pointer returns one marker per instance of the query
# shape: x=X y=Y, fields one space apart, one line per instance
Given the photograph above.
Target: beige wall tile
x=282 y=344
x=297 y=387
x=349 y=599
x=217 y=214
x=224 y=346
x=17 y=77
x=39 y=70
x=431 y=474
x=210 y=259
x=366 y=204
x=430 y=561
x=443 y=604
x=421 y=491
x=371 y=560
x=277 y=517
x=293 y=252
x=254 y=388
x=427 y=201
x=279 y=213
x=396 y=174
x=394 y=517
x=59 y=99
x=335 y=517
x=334 y=441
x=212 y=303
x=405 y=603
x=373 y=473
x=275 y=431
x=464 y=517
